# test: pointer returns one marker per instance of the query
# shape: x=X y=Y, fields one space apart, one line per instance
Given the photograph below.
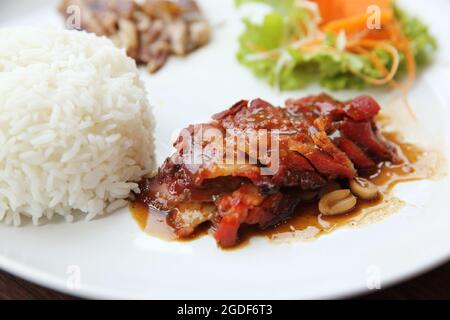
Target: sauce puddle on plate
x=308 y=223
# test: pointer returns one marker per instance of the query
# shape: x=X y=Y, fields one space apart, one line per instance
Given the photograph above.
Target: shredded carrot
x=372 y=57
x=311 y=42
x=395 y=61
x=313 y=48
x=355 y=23
x=254 y=47
x=362 y=41
x=332 y=10
x=356 y=37
x=405 y=46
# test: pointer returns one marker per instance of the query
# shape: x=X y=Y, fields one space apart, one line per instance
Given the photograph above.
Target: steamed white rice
x=75 y=126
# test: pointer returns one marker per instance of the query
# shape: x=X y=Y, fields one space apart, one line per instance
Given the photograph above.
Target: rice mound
x=76 y=131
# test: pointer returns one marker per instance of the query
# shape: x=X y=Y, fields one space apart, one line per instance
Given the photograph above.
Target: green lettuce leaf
x=267 y=49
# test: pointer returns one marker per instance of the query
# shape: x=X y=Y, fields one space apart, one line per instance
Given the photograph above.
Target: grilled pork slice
x=149 y=30
x=318 y=141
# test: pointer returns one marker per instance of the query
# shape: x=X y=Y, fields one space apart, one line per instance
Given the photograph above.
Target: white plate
x=112 y=258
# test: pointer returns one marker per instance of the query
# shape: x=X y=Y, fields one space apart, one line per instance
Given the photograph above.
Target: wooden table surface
x=433 y=285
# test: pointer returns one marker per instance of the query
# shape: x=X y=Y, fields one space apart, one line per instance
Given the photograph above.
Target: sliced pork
x=308 y=145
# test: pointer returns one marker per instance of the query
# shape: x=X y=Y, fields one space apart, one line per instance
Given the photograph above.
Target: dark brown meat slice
x=319 y=140
x=149 y=30
x=247 y=206
x=296 y=171
x=358 y=157
x=363 y=134
x=298 y=124
x=362 y=108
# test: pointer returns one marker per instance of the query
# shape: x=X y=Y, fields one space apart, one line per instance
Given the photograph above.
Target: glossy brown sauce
x=307 y=215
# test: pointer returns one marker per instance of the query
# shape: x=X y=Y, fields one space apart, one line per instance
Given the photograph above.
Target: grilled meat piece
x=319 y=140
x=149 y=30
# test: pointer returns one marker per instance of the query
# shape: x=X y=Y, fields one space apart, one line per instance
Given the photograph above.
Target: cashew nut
x=337 y=202
x=364 y=189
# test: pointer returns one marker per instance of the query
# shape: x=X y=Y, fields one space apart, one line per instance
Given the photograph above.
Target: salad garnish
x=330 y=41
